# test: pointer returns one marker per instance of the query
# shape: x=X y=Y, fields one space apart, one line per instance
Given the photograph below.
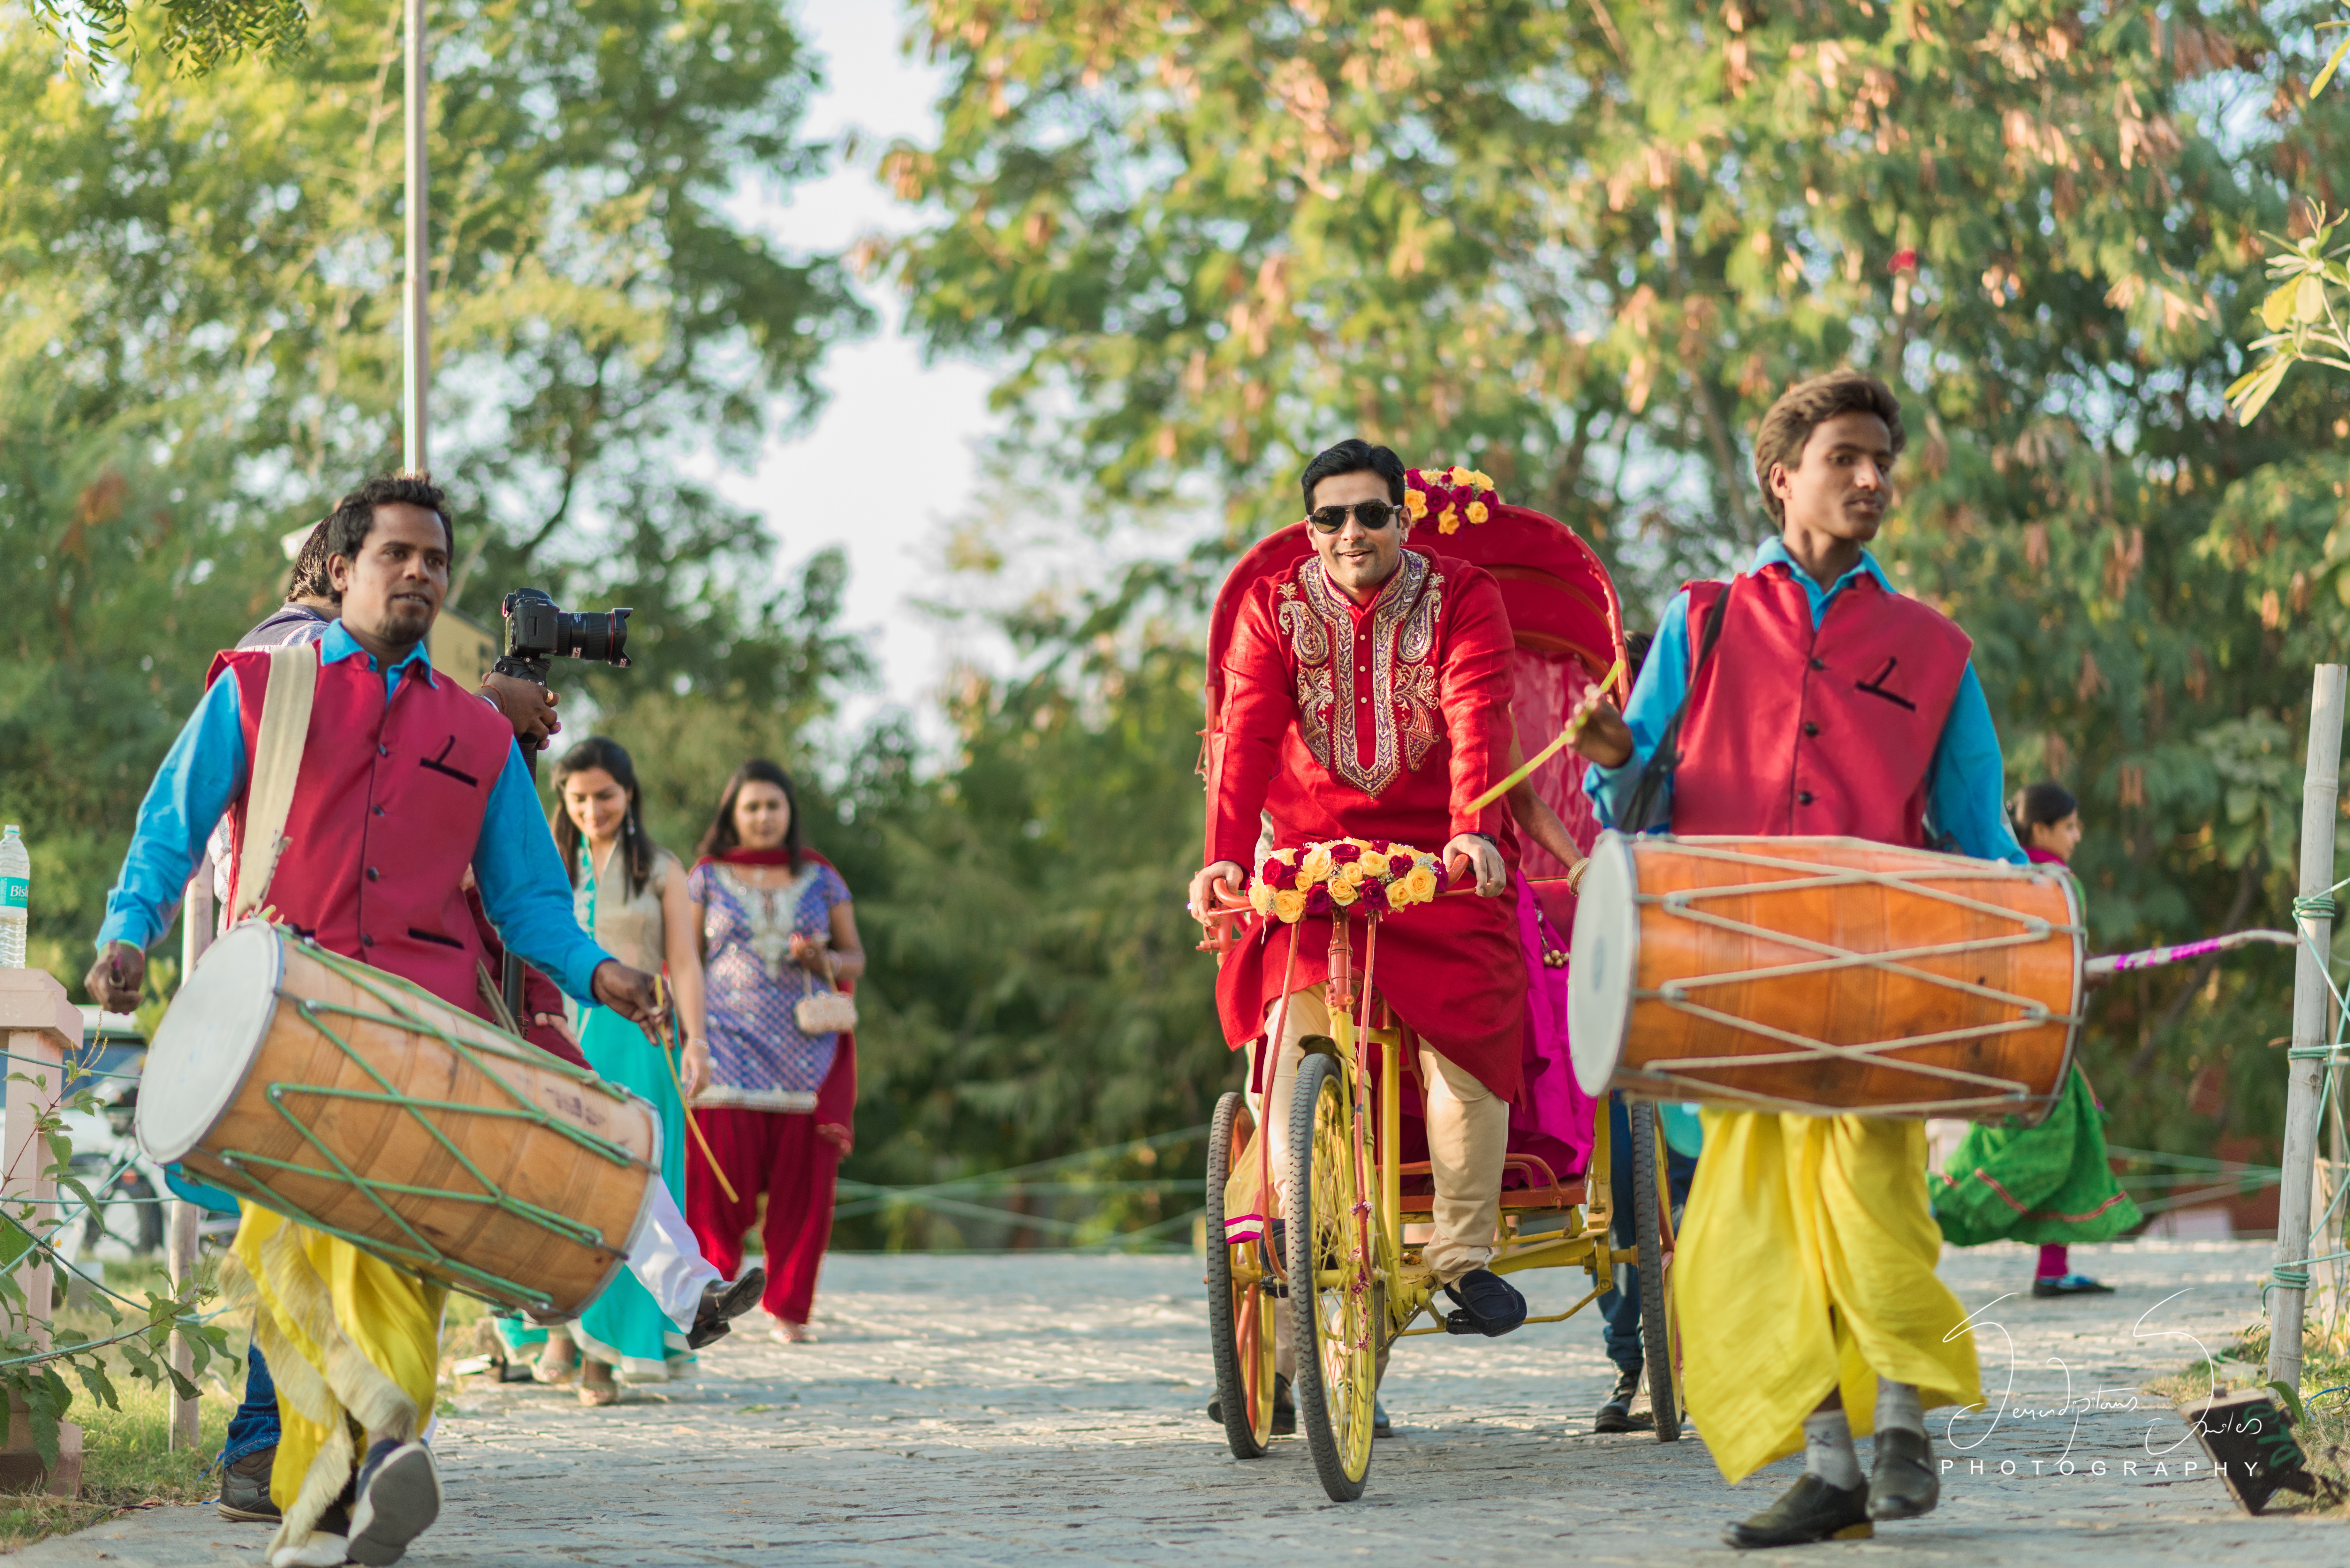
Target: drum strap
x=277 y=760
x=1650 y=809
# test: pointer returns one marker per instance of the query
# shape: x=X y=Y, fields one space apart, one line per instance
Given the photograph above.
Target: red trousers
x=780 y=1154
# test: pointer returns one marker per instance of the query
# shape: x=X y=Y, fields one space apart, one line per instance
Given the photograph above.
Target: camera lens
x=601 y=636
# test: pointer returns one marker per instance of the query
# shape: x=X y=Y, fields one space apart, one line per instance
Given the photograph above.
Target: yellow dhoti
x=350 y=1339
x=1806 y=1263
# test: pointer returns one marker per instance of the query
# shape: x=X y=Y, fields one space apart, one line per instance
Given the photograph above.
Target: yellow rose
x=1483 y=480
x=1477 y=512
x=1289 y=904
x=1416 y=889
x=1447 y=521
x=1415 y=503
x=1459 y=475
x=1352 y=873
x=1260 y=898
x=1286 y=857
x=1343 y=892
x=1317 y=865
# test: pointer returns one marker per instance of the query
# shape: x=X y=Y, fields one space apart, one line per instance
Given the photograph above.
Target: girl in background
x=630 y=895
x=776 y=928
x=2050 y=1184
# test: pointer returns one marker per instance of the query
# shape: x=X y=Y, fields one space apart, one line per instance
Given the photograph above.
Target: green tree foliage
x=1582 y=244
x=199 y=351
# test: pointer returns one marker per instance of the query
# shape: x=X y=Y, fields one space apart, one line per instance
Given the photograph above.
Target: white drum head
x=1604 y=962
x=208 y=1039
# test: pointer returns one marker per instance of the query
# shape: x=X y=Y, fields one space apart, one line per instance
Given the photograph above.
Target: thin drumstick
x=1573 y=727
x=687 y=1106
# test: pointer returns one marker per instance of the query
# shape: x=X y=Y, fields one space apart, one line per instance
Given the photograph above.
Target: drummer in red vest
x=1813 y=699
x=1368 y=697
x=404 y=780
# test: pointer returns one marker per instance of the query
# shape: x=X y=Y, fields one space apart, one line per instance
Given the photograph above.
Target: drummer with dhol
x=1813 y=699
x=1368 y=697
x=400 y=780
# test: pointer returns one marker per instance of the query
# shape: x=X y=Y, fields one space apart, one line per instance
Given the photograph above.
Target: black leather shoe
x=1487 y=1304
x=1615 y=1416
x=1380 y=1425
x=1284 y=1410
x=245 y=1489
x=2070 y=1286
x=1902 y=1479
x=1809 y=1511
x=722 y=1303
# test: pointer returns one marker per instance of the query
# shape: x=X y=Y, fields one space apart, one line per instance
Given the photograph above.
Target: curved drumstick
x=2116 y=963
x=1573 y=726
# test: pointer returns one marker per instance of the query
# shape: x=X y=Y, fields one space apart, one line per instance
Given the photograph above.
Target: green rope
x=2323 y=907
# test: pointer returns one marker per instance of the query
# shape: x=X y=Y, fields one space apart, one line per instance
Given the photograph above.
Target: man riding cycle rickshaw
x=1375 y=889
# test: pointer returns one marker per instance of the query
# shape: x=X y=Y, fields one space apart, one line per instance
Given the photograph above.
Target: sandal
x=596 y=1384
x=559 y=1362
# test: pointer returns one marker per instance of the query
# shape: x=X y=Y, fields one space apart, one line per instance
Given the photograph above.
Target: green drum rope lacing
x=424 y=1256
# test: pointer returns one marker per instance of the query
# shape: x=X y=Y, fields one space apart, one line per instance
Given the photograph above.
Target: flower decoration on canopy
x=1451 y=496
x=1337 y=874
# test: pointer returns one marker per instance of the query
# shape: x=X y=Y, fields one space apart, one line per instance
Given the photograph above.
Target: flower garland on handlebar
x=1334 y=874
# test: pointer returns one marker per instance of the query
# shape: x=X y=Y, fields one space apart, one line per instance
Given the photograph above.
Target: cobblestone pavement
x=1049 y=1408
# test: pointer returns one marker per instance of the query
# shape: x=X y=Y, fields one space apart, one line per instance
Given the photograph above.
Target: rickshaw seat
x=1543 y=1189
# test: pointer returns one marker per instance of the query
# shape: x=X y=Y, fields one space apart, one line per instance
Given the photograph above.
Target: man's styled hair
x=1807 y=405
x=1355 y=455
x=308 y=579
x=348 y=525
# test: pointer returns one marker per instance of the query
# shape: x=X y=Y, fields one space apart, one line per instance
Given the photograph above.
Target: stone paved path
x=1048 y=1410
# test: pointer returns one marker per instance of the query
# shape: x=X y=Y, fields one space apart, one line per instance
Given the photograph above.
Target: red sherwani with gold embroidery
x=1379 y=720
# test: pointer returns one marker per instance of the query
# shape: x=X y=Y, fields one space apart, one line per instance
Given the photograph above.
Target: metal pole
x=2320 y=801
x=416 y=356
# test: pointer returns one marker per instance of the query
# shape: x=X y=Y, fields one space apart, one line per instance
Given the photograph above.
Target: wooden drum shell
x=385 y=1143
x=2007 y=929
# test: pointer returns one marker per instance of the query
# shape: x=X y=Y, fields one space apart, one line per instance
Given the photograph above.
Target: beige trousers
x=1468 y=1133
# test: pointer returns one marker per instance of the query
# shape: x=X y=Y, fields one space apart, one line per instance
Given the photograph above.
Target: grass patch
x=125 y=1459
x=2323 y=1435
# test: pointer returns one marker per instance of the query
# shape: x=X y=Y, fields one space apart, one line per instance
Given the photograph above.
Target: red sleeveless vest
x=1797 y=731
x=387 y=809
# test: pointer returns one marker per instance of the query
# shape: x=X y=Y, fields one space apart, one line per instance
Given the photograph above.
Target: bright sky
x=914 y=428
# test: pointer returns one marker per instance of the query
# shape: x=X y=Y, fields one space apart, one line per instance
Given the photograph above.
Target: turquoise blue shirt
x=514 y=861
x=1966 y=785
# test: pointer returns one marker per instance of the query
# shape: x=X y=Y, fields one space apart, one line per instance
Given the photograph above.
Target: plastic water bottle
x=15 y=886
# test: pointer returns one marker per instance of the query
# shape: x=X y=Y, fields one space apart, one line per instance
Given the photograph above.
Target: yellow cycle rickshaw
x=1346 y=1269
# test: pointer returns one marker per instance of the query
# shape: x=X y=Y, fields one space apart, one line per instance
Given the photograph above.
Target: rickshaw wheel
x=1651 y=1190
x=1337 y=1381
x=1239 y=1313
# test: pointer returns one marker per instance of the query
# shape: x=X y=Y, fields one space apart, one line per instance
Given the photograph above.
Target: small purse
x=826 y=1012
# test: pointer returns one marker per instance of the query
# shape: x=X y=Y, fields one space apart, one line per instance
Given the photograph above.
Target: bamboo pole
x=2320 y=801
x=196 y=930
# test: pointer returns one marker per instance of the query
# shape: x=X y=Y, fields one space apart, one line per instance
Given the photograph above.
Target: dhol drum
x=1824 y=975
x=358 y=1104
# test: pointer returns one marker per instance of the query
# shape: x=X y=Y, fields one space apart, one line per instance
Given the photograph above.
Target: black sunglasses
x=1374 y=515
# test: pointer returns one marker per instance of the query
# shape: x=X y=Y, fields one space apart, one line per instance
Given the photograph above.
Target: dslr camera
x=539 y=631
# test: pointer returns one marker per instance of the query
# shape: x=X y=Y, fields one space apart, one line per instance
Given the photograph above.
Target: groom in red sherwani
x=1368 y=696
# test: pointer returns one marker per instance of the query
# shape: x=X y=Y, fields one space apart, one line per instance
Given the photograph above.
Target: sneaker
x=1615 y=1414
x=398 y=1499
x=1809 y=1511
x=1486 y=1304
x=2070 y=1286
x=244 y=1488
x=722 y=1303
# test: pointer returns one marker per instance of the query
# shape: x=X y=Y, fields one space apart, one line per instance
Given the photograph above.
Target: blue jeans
x=254 y=1425
x=1619 y=1309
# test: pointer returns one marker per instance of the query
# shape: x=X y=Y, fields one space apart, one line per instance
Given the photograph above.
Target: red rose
x=1342 y=853
x=1271 y=873
x=1317 y=902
